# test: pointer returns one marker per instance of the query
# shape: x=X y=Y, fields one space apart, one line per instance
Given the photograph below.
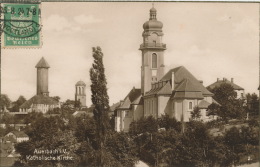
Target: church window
x=154 y=60
x=190 y=106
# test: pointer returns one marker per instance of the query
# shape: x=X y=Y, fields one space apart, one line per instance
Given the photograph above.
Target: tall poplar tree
x=100 y=100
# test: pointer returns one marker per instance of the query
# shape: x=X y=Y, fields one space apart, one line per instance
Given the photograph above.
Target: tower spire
x=152 y=48
x=153 y=13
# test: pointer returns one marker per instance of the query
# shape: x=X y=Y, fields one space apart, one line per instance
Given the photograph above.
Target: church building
x=41 y=102
x=174 y=93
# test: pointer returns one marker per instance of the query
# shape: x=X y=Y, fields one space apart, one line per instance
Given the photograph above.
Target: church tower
x=152 y=48
x=42 y=77
x=80 y=94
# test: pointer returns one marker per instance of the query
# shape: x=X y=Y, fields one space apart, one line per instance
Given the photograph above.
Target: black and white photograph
x=129 y=84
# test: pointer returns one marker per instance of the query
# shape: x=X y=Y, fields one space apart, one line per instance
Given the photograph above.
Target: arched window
x=190 y=105
x=154 y=60
x=79 y=90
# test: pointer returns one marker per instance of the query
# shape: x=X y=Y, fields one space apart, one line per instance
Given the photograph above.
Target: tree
x=230 y=106
x=68 y=105
x=4 y=101
x=18 y=103
x=252 y=104
x=57 y=98
x=100 y=100
x=196 y=114
x=122 y=148
x=169 y=123
x=213 y=109
x=77 y=104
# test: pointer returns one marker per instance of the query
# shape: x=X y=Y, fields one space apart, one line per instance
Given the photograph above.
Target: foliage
x=213 y=109
x=4 y=101
x=18 y=103
x=7 y=118
x=68 y=105
x=252 y=104
x=230 y=106
x=122 y=148
x=57 y=98
x=100 y=100
x=195 y=147
x=196 y=114
x=144 y=125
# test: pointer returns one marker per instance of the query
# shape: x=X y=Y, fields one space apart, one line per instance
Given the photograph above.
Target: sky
x=212 y=40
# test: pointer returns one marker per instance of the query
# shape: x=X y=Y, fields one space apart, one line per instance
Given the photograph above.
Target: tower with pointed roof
x=42 y=77
x=41 y=102
x=152 y=48
x=80 y=94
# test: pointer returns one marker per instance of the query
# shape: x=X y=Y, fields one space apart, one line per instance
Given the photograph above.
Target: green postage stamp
x=20 y=25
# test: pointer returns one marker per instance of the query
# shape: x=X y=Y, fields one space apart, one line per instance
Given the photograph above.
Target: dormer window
x=154 y=60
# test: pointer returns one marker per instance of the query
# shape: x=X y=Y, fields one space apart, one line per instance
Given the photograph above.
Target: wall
x=117 y=122
x=239 y=92
x=163 y=105
x=42 y=80
x=128 y=119
x=138 y=112
x=181 y=108
x=208 y=99
x=151 y=107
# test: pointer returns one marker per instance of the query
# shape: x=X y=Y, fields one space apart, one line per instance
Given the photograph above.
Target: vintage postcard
x=129 y=84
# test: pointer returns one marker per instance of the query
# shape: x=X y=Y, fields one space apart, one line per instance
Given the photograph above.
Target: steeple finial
x=153 y=13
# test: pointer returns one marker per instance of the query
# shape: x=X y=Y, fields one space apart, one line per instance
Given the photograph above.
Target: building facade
x=174 y=93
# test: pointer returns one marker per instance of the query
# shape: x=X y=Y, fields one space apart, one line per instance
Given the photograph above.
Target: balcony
x=153 y=46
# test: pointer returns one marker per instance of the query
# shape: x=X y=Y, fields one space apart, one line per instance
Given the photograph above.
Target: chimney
x=133 y=89
x=173 y=81
x=217 y=79
x=232 y=80
x=224 y=79
x=201 y=82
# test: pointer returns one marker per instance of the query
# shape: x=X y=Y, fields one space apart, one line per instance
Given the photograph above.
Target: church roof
x=192 y=84
x=42 y=64
x=162 y=88
x=186 y=89
x=219 y=82
x=133 y=97
x=39 y=99
x=185 y=85
x=80 y=83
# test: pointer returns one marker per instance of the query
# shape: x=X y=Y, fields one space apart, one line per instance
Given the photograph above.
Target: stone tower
x=152 y=48
x=80 y=94
x=42 y=77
